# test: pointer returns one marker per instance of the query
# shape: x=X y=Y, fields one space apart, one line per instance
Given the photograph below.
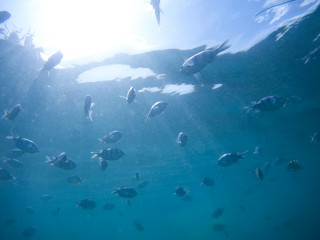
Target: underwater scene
x=204 y=141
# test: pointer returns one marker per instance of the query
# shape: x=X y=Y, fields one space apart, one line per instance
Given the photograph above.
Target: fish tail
x=95 y=155
x=241 y=155
x=223 y=46
x=89 y=115
x=4 y=115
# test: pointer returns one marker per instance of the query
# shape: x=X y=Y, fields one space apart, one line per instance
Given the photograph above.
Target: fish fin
x=92 y=105
x=122 y=97
x=95 y=155
x=223 y=46
x=241 y=154
x=89 y=116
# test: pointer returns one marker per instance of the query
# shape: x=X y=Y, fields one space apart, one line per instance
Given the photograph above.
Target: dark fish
x=229 y=158
x=315 y=137
x=279 y=160
x=218 y=227
x=46 y=197
x=137 y=176
x=109 y=206
x=12 y=113
x=109 y=154
x=14 y=153
x=156 y=109
x=5 y=175
x=103 y=164
x=125 y=192
x=143 y=184
x=293 y=166
x=180 y=192
x=182 y=139
x=130 y=95
x=10 y=222
x=14 y=163
x=87 y=204
x=138 y=226
x=24 y=144
x=197 y=62
x=4 y=16
x=207 y=181
x=53 y=61
x=217 y=212
x=29 y=232
x=61 y=161
x=87 y=107
x=269 y=103
x=111 y=137
x=258 y=173
x=156 y=8
x=74 y=179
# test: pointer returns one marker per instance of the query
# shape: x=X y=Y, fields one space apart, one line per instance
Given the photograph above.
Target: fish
x=46 y=197
x=207 y=181
x=293 y=166
x=14 y=153
x=156 y=109
x=109 y=206
x=182 y=139
x=5 y=175
x=137 y=175
x=103 y=164
x=12 y=113
x=61 y=161
x=258 y=173
x=109 y=154
x=74 y=179
x=143 y=184
x=138 y=226
x=10 y=222
x=156 y=9
x=4 y=16
x=314 y=54
x=53 y=61
x=279 y=160
x=217 y=212
x=230 y=158
x=14 y=163
x=197 y=62
x=131 y=95
x=87 y=107
x=87 y=204
x=125 y=192
x=30 y=210
x=111 y=137
x=29 y=232
x=269 y=103
x=180 y=192
x=24 y=144
x=315 y=138
x=257 y=150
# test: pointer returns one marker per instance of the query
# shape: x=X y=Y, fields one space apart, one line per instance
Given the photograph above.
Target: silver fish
x=61 y=161
x=197 y=62
x=230 y=158
x=24 y=144
x=12 y=113
x=109 y=154
x=53 y=61
x=130 y=95
x=87 y=107
x=269 y=103
x=111 y=137
x=156 y=109
x=182 y=139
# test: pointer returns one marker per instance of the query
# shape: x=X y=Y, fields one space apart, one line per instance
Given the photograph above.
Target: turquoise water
x=282 y=206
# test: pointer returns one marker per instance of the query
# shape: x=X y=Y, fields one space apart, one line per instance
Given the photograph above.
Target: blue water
x=282 y=206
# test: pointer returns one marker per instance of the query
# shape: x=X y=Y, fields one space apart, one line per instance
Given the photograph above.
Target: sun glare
x=81 y=28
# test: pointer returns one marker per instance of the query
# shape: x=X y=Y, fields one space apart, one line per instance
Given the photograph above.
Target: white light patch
x=150 y=89
x=180 y=89
x=307 y=2
x=279 y=12
x=216 y=86
x=114 y=72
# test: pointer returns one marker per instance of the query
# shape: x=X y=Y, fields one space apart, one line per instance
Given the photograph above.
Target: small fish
x=111 y=137
x=24 y=144
x=269 y=103
x=143 y=184
x=4 y=16
x=279 y=160
x=131 y=95
x=182 y=139
x=137 y=176
x=5 y=175
x=156 y=109
x=29 y=232
x=315 y=137
x=293 y=166
x=138 y=226
x=10 y=222
x=217 y=212
x=12 y=113
x=258 y=173
x=207 y=181
x=14 y=163
x=125 y=192
x=87 y=204
x=14 y=153
x=74 y=179
x=109 y=206
x=230 y=158
x=109 y=154
x=61 y=161
x=87 y=107
x=257 y=150
x=156 y=8
x=46 y=197
x=103 y=164
x=53 y=61
x=180 y=192
x=197 y=62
